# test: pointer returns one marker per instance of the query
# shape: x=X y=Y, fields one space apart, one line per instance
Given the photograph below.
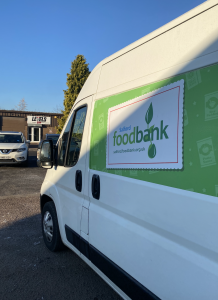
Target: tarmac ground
x=28 y=269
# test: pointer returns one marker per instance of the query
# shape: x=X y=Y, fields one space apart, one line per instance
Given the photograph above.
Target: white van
x=133 y=185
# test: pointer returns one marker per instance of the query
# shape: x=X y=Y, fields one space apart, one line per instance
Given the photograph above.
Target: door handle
x=78 y=180
x=96 y=186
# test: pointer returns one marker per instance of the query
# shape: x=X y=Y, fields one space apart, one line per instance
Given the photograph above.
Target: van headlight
x=21 y=149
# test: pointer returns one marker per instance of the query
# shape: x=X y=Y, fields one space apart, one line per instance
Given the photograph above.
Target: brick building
x=34 y=125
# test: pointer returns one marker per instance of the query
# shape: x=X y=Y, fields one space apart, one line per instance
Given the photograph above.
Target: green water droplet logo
x=152 y=151
x=148 y=117
x=149 y=114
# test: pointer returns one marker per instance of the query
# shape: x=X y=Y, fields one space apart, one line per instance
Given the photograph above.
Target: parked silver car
x=13 y=148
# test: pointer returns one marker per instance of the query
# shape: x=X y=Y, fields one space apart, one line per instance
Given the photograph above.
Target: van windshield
x=53 y=138
x=11 y=138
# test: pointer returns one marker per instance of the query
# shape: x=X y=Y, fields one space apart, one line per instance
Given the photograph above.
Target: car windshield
x=11 y=138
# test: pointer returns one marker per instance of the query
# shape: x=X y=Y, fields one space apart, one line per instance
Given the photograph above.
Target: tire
x=50 y=228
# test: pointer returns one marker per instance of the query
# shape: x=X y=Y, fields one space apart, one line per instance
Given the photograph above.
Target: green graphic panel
x=200 y=134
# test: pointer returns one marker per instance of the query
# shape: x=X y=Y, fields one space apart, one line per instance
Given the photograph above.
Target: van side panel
x=160 y=226
x=200 y=123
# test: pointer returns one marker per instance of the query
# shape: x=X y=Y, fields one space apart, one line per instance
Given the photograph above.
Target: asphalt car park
x=28 y=269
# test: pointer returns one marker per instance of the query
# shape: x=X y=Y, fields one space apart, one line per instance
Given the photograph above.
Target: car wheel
x=50 y=228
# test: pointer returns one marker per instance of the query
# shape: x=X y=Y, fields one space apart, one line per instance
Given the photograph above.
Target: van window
x=63 y=143
x=76 y=137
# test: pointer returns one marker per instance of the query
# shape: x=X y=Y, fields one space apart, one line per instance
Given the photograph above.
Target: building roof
x=35 y=113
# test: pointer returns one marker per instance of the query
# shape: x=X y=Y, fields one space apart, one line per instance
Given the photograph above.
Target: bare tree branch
x=58 y=109
x=22 y=105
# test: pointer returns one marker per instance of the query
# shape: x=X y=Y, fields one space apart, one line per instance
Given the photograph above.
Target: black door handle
x=78 y=180
x=96 y=186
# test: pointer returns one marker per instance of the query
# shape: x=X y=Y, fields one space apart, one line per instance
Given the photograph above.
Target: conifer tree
x=75 y=81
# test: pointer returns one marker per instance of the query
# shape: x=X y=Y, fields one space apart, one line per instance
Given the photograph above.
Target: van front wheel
x=50 y=228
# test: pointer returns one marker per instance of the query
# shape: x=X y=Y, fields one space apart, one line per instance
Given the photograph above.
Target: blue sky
x=40 y=39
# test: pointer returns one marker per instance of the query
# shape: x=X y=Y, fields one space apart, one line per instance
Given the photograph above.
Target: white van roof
x=174 y=23
x=163 y=53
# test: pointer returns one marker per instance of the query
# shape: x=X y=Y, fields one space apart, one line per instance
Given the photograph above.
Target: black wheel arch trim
x=44 y=199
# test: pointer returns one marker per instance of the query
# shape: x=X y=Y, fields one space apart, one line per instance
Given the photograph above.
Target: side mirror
x=28 y=141
x=45 y=155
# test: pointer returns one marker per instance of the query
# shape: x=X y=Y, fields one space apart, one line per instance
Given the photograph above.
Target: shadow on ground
x=29 y=270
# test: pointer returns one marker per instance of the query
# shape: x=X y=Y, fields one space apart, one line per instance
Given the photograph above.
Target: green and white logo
x=206 y=152
x=211 y=106
x=149 y=134
x=146 y=132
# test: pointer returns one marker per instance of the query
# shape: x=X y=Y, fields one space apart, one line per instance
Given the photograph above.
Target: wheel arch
x=44 y=199
x=51 y=195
